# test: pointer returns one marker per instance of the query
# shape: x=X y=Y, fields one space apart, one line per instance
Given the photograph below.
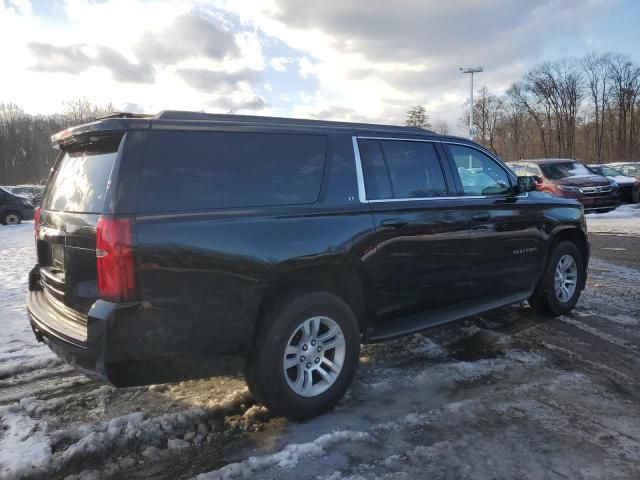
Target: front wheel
x=11 y=218
x=305 y=355
x=560 y=287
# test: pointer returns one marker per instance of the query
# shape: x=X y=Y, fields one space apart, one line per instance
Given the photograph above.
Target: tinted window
x=532 y=171
x=558 y=170
x=401 y=169
x=376 y=175
x=479 y=174
x=200 y=170
x=81 y=178
x=518 y=169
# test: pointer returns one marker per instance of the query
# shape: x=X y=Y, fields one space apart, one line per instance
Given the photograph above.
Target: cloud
x=420 y=30
x=279 y=64
x=253 y=104
x=338 y=113
x=54 y=58
x=122 y=69
x=217 y=80
x=190 y=35
x=75 y=59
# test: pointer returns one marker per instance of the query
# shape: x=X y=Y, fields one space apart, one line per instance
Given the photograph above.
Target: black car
x=33 y=192
x=14 y=208
x=188 y=244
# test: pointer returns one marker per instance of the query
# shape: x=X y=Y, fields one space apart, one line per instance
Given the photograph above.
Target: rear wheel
x=11 y=218
x=305 y=355
x=560 y=287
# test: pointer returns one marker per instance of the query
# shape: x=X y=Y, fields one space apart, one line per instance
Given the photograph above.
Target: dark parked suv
x=187 y=244
x=14 y=208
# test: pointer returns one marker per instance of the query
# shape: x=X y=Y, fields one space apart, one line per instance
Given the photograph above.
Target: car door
x=420 y=230
x=505 y=254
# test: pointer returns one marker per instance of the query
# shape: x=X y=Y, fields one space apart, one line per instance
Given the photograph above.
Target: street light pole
x=471 y=70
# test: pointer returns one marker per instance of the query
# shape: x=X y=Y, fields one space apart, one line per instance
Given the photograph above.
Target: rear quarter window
x=209 y=170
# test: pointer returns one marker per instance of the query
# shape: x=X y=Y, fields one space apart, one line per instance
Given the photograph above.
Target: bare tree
x=487 y=112
x=442 y=127
x=417 y=117
x=25 y=149
x=596 y=69
x=624 y=77
x=520 y=97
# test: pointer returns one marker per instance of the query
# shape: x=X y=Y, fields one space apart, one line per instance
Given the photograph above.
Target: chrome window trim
x=362 y=194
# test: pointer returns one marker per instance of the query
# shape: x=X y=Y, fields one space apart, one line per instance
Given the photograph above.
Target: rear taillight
x=36 y=221
x=115 y=259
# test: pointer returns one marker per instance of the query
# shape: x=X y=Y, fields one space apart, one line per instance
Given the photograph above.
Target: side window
x=376 y=175
x=480 y=174
x=401 y=169
x=201 y=170
x=532 y=171
x=414 y=169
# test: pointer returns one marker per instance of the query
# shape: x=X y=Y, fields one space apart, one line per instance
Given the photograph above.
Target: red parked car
x=571 y=179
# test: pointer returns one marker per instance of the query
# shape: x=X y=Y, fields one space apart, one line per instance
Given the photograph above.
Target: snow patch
x=287 y=457
x=23 y=445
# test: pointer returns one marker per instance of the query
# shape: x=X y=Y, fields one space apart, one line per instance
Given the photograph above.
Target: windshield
x=80 y=182
x=610 y=172
x=556 y=171
x=630 y=169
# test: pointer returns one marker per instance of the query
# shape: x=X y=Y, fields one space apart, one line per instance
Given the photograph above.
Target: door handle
x=394 y=222
x=480 y=217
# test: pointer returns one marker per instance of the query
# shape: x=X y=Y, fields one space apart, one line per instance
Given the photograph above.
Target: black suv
x=188 y=245
x=14 y=208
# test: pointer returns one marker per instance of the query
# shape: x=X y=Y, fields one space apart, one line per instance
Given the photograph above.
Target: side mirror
x=525 y=184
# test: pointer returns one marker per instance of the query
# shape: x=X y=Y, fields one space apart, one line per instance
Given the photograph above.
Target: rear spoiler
x=108 y=124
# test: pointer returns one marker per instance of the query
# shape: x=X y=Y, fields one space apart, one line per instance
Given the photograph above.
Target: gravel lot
x=504 y=395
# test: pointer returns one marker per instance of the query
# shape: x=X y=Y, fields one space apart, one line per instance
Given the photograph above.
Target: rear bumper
x=121 y=344
x=67 y=338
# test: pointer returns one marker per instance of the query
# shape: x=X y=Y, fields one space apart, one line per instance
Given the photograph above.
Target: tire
x=547 y=299
x=274 y=375
x=11 y=218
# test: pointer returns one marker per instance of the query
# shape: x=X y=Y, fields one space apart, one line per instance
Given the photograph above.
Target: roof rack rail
x=222 y=117
x=122 y=115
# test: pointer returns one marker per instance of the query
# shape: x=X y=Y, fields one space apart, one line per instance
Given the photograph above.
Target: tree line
x=25 y=140
x=587 y=109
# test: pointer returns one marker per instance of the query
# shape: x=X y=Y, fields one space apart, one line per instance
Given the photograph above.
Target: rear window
x=80 y=182
x=206 y=170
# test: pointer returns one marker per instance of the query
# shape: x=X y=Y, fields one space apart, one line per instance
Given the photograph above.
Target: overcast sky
x=333 y=59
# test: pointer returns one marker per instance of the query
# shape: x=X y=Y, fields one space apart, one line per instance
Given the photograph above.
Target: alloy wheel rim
x=314 y=356
x=566 y=278
x=12 y=219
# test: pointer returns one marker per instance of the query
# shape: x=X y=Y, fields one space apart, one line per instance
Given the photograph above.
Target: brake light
x=36 y=221
x=115 y=259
